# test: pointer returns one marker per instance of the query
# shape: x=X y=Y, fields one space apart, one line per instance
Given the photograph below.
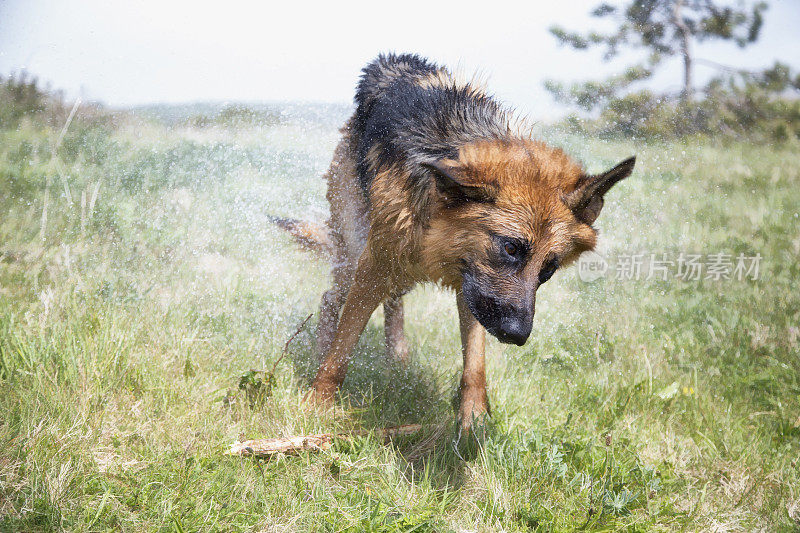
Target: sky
x=161 y=51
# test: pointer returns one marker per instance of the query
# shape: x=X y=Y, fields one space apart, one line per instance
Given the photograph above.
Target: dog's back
x=412 y=112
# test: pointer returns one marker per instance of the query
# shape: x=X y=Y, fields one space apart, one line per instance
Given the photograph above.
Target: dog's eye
x=512 y=250
x=547 y=271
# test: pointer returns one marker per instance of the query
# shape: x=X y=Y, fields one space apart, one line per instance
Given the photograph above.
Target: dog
x=432 y=182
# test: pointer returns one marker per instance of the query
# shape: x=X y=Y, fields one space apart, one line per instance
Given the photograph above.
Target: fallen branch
x=288 y=342
x=310 y=443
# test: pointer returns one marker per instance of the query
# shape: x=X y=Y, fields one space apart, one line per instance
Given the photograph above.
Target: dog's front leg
x=369 y=289
x=474 y=405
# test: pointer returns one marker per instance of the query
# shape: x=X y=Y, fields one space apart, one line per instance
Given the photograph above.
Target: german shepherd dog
x=432 y=182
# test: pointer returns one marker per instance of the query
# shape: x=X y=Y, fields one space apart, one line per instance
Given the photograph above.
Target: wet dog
x=432 y=182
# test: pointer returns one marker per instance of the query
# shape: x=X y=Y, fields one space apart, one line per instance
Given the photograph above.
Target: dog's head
x=509 y=214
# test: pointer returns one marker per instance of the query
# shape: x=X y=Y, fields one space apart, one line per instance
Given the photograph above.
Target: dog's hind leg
x=332 y=302
x=347 y=230
x=396 y=344
x=369 y=289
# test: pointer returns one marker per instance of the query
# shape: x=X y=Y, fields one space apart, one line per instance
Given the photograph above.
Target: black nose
x=514 y=330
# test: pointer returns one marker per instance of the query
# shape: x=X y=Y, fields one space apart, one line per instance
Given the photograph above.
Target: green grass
x=127 y=321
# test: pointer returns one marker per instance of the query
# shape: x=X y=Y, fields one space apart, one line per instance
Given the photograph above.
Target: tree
x=664 y=28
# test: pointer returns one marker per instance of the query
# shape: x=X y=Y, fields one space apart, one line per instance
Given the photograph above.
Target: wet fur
x=429 y=183
x=411 y=113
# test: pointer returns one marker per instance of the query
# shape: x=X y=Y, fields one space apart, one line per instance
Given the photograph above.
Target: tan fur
x=407 y=236
x=474 y=403
x=348 y=233
x=347 y=236
x=442 y=79
x=424 y=241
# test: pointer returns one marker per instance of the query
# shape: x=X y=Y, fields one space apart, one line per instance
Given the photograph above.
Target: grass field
x=140 y=281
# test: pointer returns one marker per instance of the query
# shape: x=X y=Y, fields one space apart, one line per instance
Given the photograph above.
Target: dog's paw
x=398 y=352
x=473 y=410
x=473 y=425
x=319 y=397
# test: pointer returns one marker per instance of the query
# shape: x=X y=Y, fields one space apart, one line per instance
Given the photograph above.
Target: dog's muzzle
x=510 y=324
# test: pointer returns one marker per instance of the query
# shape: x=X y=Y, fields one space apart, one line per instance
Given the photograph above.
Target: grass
x=130 y=312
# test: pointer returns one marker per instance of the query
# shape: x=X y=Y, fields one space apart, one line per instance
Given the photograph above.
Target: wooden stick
x=310 y=443
x=286 y=346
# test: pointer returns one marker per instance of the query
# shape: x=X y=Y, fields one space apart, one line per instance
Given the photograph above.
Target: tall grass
x=129 y=315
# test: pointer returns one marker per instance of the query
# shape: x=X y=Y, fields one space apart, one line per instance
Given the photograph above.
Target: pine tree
x=664 y=28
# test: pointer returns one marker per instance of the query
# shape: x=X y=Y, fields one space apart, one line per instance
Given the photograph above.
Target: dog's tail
x=310 y=235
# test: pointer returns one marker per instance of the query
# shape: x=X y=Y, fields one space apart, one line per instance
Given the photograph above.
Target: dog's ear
x=586 y=200
x=457 y=185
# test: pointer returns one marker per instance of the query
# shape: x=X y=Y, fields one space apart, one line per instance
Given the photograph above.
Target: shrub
x=757 y=107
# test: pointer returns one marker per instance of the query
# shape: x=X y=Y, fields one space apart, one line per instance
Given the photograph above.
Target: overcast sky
x=137 y=52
